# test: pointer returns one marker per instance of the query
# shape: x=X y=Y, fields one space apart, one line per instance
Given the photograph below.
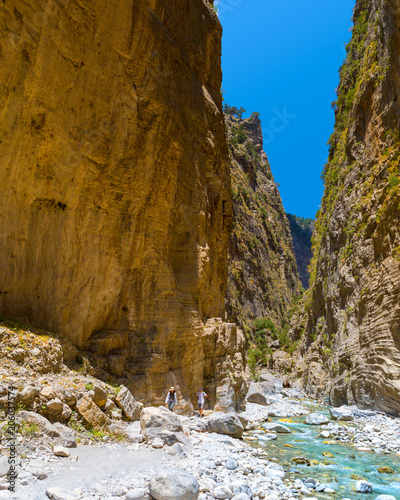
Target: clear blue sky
x=281 y=58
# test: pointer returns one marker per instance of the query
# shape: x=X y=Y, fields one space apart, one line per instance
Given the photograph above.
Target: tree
x=239 y=113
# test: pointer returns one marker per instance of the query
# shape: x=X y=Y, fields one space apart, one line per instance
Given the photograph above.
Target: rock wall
x=302 y=230
x=351 y=316
x=115 y=206
x=262 y=267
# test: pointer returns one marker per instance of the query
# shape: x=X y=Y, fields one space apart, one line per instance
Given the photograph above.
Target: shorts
x=201 y=406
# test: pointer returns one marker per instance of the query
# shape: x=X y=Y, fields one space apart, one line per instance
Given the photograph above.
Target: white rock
x=223 y=492
x=363 y=487
x=316 y=419
x=174 y=484
x=138 y=494
x=63 y=494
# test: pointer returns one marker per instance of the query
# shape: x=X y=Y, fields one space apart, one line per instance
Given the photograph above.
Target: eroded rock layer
x=115 y=206
x=351 y=316
x=262 y=267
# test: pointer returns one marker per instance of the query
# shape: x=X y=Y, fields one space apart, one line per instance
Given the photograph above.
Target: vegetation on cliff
x=302 y=230
x=263 y=278
x=351 y=313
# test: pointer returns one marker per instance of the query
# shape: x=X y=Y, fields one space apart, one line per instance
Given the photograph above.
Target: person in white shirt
x=172 y=399
x=201 y=395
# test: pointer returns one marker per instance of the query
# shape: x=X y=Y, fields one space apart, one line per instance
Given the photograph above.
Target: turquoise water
x=304 y=443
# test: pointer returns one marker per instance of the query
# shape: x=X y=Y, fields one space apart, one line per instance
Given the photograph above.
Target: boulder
x=385 y=497
x=171 y=483
x=60 y=451
x=259 y=392
x=384 y=469
x=28 y=394
x=48 y=392
x=276 y=427
x=92 y=414
x=316 y=419
x=63 y=494
x=138 y=494
x=363 y=487
x=228 y=424
x=129 y=406
x=342 y=413
x=55 y=406
x=43 y=424
x=98 y=396
x=162 y=423
x=67 y=436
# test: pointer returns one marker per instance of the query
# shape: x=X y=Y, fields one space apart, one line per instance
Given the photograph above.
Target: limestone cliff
x=351 y=316
x=262 y=268
x=301 y=230
x=115 y=205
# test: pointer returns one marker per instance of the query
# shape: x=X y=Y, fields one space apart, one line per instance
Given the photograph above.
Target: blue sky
x=281 y=58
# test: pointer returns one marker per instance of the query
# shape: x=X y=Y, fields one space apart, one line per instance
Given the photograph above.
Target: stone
x=363 y=487
x=316 y=419
x=231 y=464
x=48 y=392
x=341 y=413
x=28 y=395
x=223 y=492
x=174 y=484
x=55 y=405
x=92 y=414
x=228 y=424
x=138 y=494
x=239 y=489
x=4 y=466
x=157 y=443
x=386 y=470
x=129 y=406
x=276 y=427
x=301 y=460
x=60 y=451
x=99 y=396
x=43 y=424
x=385 y=497
x=241 y=496
x=163 y=424
x=62 y=494
x=259 y=392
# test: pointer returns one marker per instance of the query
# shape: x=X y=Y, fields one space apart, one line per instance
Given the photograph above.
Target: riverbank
x=260 y=465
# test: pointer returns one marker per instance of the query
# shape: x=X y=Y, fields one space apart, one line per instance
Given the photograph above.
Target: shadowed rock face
x=302 y=230
x=115 y=195
x=352 y=313
x=262 y=268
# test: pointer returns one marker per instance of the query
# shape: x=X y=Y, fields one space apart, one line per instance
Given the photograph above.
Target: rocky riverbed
x=272 y=451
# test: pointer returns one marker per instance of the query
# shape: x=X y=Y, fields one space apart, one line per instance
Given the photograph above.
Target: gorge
x=124 y=187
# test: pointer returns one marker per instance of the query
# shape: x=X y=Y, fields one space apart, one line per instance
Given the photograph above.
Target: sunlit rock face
x=115 y=204
x=351 y=317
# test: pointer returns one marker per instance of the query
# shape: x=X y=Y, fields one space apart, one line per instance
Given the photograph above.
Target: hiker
x=172 y=399
x=201 y=395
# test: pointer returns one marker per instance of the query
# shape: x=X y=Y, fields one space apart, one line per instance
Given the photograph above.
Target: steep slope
x=262 y=268
x=351 y=315
x=301 y=230
x=115 y=207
